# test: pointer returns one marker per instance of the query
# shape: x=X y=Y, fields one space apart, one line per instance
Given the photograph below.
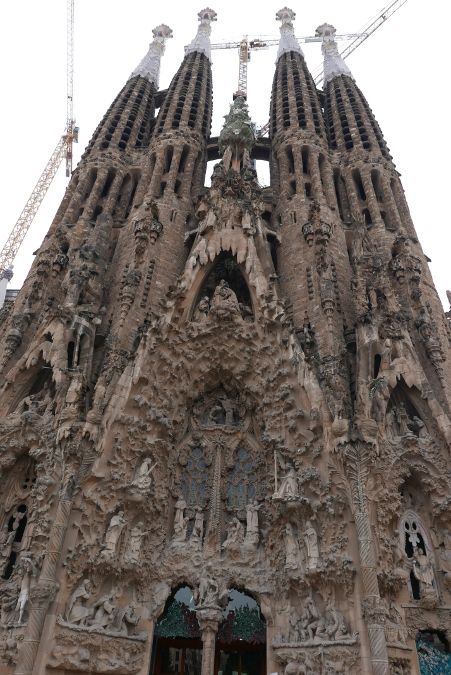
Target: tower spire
x=288 y=42
x=201 y=43
x=149 y=66
x=334 y=64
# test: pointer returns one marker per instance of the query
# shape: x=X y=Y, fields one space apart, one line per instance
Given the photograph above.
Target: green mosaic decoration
x=238 y=130
x=178 y=621
x=433 y=660
x=244 y=623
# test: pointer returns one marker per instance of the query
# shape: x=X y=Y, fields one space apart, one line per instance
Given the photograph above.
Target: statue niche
x=217 y=409
x=15 y=490
x=419 y=557
x=402 y=417
x=224 y=294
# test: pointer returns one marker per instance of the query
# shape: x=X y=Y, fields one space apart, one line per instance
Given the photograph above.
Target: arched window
x=194 y=479
x=241 y=487
x=418 y=551
x=15 y=529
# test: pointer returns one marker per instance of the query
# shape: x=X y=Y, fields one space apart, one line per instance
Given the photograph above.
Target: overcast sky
x=401 y=69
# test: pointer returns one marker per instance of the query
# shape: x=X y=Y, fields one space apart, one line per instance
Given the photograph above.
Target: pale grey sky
x=401 y=70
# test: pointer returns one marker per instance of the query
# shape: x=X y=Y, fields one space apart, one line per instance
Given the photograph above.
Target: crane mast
x=62 y=150
x=376 y=23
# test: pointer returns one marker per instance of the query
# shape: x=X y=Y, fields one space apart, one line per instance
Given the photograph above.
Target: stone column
x=208 y=621
x=44 y=592
x=357 y=461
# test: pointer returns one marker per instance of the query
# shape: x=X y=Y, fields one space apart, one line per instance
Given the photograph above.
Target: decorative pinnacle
x=201 y=42
x=238 y=131
x=288 y=42
x=334 y=64
x=149 y=67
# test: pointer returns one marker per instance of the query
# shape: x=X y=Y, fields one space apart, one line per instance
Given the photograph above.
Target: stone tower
x=225 y=411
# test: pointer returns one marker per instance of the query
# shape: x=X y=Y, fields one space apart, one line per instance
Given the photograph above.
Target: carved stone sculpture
x=180 y=522
x=235 y=534
x=143 y=478
x=252 y=531
x=113 y=533
x=288 y=488
x=291 y=549
x=135 y=541
x=311 y=545
x=77 y=612
x=198 y=529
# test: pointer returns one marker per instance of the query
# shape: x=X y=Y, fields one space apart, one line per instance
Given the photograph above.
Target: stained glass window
x=179 y=619
x=241 y=481
x=194 y=479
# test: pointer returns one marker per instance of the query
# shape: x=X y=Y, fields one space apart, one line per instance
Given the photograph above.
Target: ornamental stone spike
x=149 y=67
x=201 y=42
x=288 y=42
x=334 y=64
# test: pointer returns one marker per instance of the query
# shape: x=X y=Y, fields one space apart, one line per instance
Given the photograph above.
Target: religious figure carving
x=291 y=549
x=198 y=529
x=133 y=550
x=126 y=619
x=202 y=309
x=180 y=522
x=224 y=303
x=311 y=544
x=104 y=610
x=288 y=488
x=208 y=594
x=235 y=534
x=77 y=613
x=315 y=628
x=29 y=571
x=395 y=630
x=143 y=478
x=113 y=533
x=422 y=568
x=252 y=533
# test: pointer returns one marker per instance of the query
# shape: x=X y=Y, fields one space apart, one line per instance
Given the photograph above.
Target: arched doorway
x=240 y=642
x=241 y=639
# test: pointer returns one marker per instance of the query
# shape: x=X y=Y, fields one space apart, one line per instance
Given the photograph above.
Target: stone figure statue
x=135 y=542
x=180 y=521
x=288 y=488
x=252 y=533
x=28 y=572
x=395 y=630
x=126 y=619
x=224 y=301
x=104 y=610
x=202 y=310
x=77 y=613
x=291 y=549
x=422 y=568
x=207 y=594
x=143 y=478
x=311 y=544
x=198 y=529
x=235 y=534
x=113 y=533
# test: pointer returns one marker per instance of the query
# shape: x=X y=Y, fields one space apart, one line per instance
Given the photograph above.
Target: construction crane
x=62 y=150
x=247 y=45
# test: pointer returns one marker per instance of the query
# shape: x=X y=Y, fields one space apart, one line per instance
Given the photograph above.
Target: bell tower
x=225 y=409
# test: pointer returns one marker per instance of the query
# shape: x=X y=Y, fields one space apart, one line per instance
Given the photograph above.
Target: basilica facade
x=225 y=410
